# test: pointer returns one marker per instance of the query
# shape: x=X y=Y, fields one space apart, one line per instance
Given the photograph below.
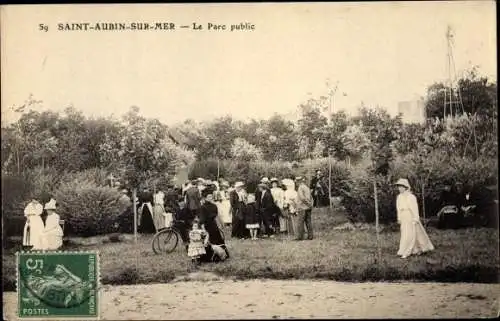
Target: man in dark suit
x=193 y=199
x=236 y=198
x=267 y=208
x=319 y=190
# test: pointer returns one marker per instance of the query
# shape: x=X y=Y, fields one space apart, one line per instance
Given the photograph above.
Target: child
x=198 y=239
x=251 y=215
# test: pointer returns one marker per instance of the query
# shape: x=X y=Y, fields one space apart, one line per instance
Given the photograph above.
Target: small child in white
x=198 y=239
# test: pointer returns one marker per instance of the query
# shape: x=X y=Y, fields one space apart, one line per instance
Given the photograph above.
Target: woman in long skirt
x=33 y=230
x=52 y=233
x=414 y=239
x=209 y=218
x=290 y=205
x=224 y=205
x=159 y=214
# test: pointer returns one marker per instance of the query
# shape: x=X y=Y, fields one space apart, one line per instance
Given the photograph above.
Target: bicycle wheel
x=165 y=241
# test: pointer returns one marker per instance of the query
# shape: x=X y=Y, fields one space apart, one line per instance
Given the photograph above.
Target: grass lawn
x=466 y=255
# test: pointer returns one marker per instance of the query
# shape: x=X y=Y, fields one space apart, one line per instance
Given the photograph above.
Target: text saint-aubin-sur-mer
x=111 y=26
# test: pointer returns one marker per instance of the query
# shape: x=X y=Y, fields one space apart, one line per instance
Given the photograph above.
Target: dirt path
x=291 y=299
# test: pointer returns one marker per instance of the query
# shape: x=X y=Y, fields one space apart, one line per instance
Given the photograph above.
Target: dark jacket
x=208 y=212
x=193 y=198
x=145 y=197
x=251 y=213
x=266 y=203
x=236 y=205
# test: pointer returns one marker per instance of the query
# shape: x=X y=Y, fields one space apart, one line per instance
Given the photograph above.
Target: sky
x=379 y=53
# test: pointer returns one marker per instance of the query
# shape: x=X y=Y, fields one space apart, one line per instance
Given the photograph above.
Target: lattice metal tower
x=452 y=98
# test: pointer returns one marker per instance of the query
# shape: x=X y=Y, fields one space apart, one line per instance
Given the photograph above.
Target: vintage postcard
x=249 y=160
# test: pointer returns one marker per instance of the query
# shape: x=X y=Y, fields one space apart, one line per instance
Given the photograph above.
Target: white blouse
x=407 y=207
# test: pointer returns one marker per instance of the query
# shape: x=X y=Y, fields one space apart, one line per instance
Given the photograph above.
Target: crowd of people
x=275 y=207
x=201 y=208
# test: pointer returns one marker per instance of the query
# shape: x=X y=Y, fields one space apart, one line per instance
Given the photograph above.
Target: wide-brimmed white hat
x=239 y=184
x=51 y=205
x=274 y=179
x=264 y=180
x=288 y=182
x=33 y=208
x=403 y=182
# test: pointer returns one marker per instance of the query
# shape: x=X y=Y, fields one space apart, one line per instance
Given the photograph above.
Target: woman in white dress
x=53 y=233
x=33 y=229
x=224 y=206
x=278 y=196
x=290 y=205
x=414 y=239
x=160 y=218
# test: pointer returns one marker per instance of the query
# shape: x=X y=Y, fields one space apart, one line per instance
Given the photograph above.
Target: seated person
x=449 y=216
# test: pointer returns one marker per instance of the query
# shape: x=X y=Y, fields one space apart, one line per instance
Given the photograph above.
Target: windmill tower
x=453 y=103
x=452 y=97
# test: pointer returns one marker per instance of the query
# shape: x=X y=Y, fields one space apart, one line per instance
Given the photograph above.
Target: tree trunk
x=134 y=194
x=18 y=163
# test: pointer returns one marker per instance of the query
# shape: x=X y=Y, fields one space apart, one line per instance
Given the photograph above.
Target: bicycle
x=171 y=235
x=167 y=238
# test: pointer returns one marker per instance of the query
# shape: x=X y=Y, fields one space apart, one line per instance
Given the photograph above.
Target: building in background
x=412 y=111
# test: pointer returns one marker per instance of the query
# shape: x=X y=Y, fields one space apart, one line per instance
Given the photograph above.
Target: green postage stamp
x=58 y=285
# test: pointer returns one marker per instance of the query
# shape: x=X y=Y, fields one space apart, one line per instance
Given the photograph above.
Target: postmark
x=58 y=285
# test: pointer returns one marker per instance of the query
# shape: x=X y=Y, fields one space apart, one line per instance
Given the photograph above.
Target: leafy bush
x=97 y=176
x=435 y=170
x=206 y=169
x=15 y=191
x=244 y=151
x=88 y=209
x=43 y=182
x=340 y=172
x=358 y=197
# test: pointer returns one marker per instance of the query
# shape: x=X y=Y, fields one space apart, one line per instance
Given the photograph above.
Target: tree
x=331 y=133
x=355 y=142
x=279 y=141
x=242 y=150
x=144 y=149
x=382 y=130
x=309 y=123
x=479 y=96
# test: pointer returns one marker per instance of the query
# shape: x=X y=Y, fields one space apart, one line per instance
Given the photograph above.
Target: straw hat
x=51 y=205
x=33 y=208
x=264 y=180
x=299 y=178
x=239 y=184
x=403 y=182
x=288 y=182
x=274 y=179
